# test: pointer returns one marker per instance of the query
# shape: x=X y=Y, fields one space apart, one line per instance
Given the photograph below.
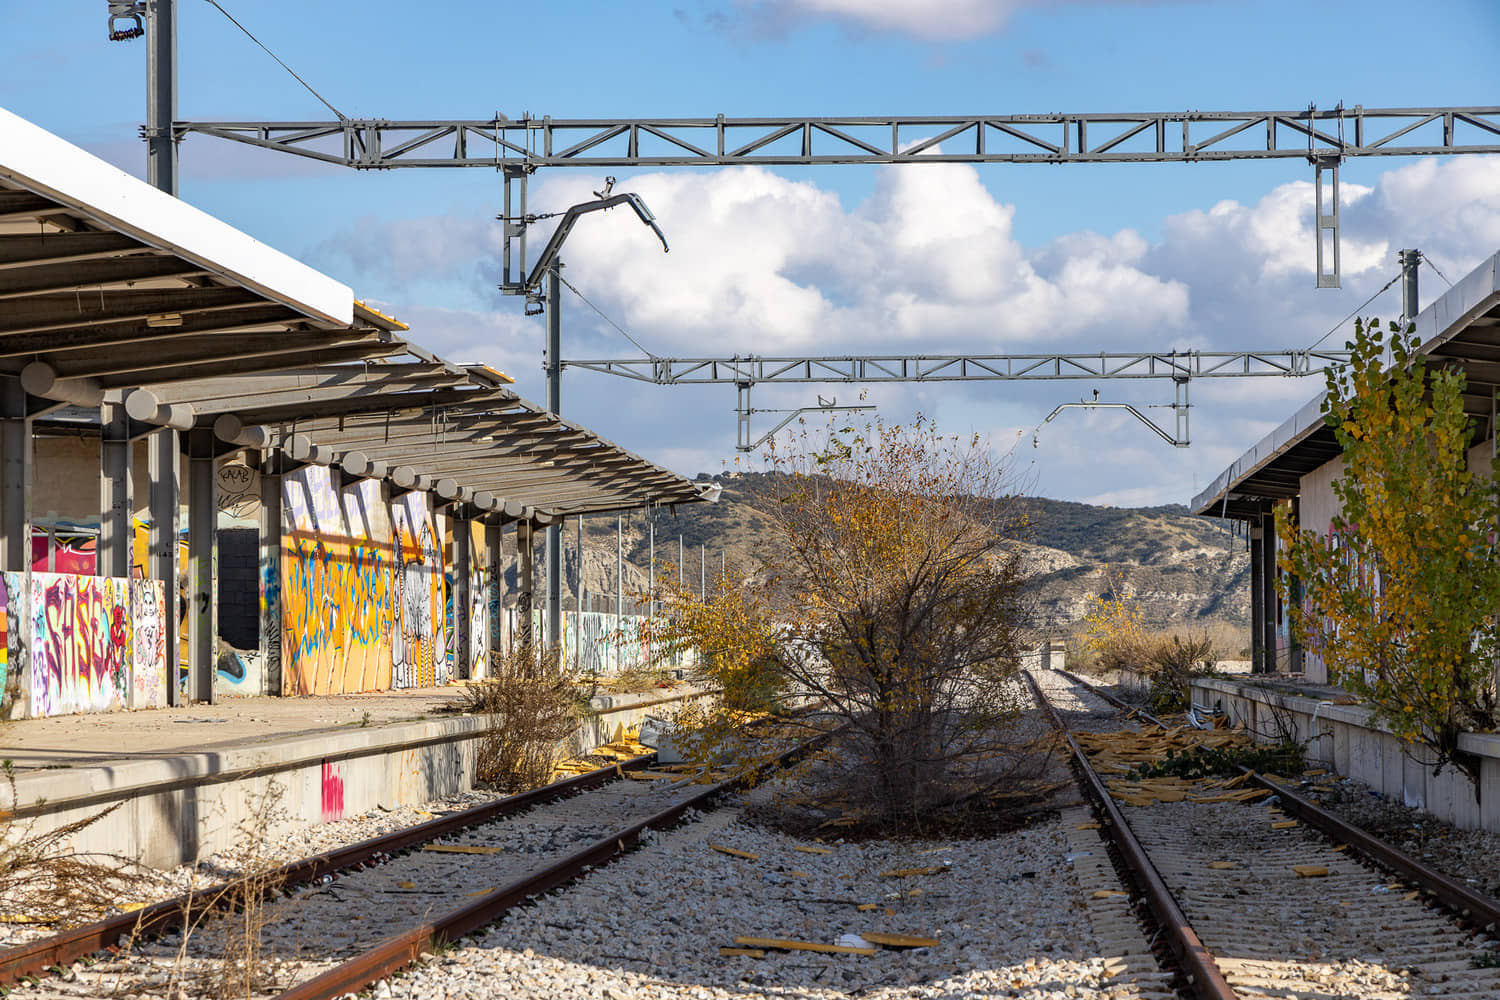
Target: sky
x=834 y=260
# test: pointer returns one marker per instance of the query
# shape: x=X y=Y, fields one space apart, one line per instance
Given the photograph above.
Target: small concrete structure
x=1342 y=738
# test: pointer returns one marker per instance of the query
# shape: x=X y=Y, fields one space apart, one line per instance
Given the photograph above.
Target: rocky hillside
x=1182 y=571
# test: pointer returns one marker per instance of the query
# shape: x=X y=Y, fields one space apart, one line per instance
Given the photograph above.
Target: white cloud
x=929 y=263
x=936 y=20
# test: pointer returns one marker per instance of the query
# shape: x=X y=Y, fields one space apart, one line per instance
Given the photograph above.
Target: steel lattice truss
x=753 y=369
x=1153 y=137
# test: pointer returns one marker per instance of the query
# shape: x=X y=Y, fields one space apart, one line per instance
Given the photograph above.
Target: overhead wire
x=1428 y=261
x=339 y=114
x=606 y=319
x=1355 y=311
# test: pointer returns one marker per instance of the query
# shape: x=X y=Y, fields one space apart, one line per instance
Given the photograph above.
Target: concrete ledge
x=179 y=807
x=1346 y=740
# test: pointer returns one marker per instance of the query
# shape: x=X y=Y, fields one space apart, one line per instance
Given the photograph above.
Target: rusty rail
x=36 y=957
x=397 y=951
x=1202 y=972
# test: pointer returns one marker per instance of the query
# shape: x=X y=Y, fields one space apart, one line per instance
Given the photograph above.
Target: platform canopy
x=114 y=292
x=1460 y=329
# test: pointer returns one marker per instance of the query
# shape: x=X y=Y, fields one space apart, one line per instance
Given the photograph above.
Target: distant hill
x=1182 y=571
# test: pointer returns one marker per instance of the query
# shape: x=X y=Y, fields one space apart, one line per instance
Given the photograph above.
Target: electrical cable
x=1357 y=308
x=339 y=114
x=1428 y=261
x=602 y=316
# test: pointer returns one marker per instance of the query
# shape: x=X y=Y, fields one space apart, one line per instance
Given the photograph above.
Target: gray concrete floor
x=84 y=740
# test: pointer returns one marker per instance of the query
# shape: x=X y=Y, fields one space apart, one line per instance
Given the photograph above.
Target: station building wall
x=1317 y=507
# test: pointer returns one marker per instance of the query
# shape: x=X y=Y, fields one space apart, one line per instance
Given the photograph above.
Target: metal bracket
x=743 y=410
x=1180 y=406
x=1326 y=232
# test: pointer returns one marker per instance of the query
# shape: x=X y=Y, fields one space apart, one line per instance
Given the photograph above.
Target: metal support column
x=1268 y=596
x=1180 y=406
x=162 y=457
x=1410 y=261
x=270 y=571
x=619 y=589
x=525 y=583
x=463 y=564
x=15 y=488
x=161 y=94
x=1259 y=662
x=553 y=552
x=16 y=469
x=116 y=503
x=203 y=565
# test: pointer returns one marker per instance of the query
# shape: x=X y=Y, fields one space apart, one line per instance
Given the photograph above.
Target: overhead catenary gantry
x=519 y=146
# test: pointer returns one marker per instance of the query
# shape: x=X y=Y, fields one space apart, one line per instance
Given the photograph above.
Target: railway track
x=34 y=959
x=1277 y=898
x=408 y=892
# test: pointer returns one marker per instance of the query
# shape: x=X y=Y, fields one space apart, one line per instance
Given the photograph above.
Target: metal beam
x=756 y=369
x=1146 y=137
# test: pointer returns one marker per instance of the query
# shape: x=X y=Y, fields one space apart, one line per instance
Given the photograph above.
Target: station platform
x=67 y=741
x=182 y=779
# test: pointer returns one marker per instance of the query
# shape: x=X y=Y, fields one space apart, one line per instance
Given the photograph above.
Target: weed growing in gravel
x=1205 y=761
x=229 y=925
x=44 y=880
x=531 y=708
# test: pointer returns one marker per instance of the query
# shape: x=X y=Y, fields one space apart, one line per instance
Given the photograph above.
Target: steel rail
x=1119 y=703
x=1202 y=972
x=35 y=958
x=1481 y=910
x=397 y=951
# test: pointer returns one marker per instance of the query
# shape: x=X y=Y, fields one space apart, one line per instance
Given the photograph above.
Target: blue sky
x=835 y=259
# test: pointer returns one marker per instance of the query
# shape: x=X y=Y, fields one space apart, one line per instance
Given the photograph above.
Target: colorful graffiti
x=479 y=586
x=85 y=653
x=421 y=636
x=148 y=613
x=361 y=590
x=333 y=792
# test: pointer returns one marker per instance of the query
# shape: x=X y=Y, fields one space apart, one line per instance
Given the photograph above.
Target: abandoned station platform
x=306 y=527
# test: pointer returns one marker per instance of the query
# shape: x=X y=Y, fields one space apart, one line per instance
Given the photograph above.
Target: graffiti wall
x=97 y=643
x=361 y=589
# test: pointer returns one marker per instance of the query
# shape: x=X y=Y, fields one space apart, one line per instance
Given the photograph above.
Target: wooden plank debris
x=747 y=952
x=909 y=872
x=1222 y=866
x=813 y=850
x=460 y=849
x=735 y=852
x=1285 y=824
x=1309 y=871
x=787 y=944
x=898 y=940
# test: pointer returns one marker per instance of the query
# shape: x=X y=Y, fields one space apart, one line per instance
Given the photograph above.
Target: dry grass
x=43 y=880
x=531 y=707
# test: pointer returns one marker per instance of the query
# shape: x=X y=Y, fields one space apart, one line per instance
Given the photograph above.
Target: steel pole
x=619 y=589
x=161 y=94
x=553 y=543
x=1410 y=261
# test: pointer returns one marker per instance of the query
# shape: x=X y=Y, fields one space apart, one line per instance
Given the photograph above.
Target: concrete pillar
x=203 y=565
x=494 y=600
x=525 y=584
x=17 y=460
x=463 y=561
x=162 y=457
x=116 y=503
x=270 y=570
x=1259 y=662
